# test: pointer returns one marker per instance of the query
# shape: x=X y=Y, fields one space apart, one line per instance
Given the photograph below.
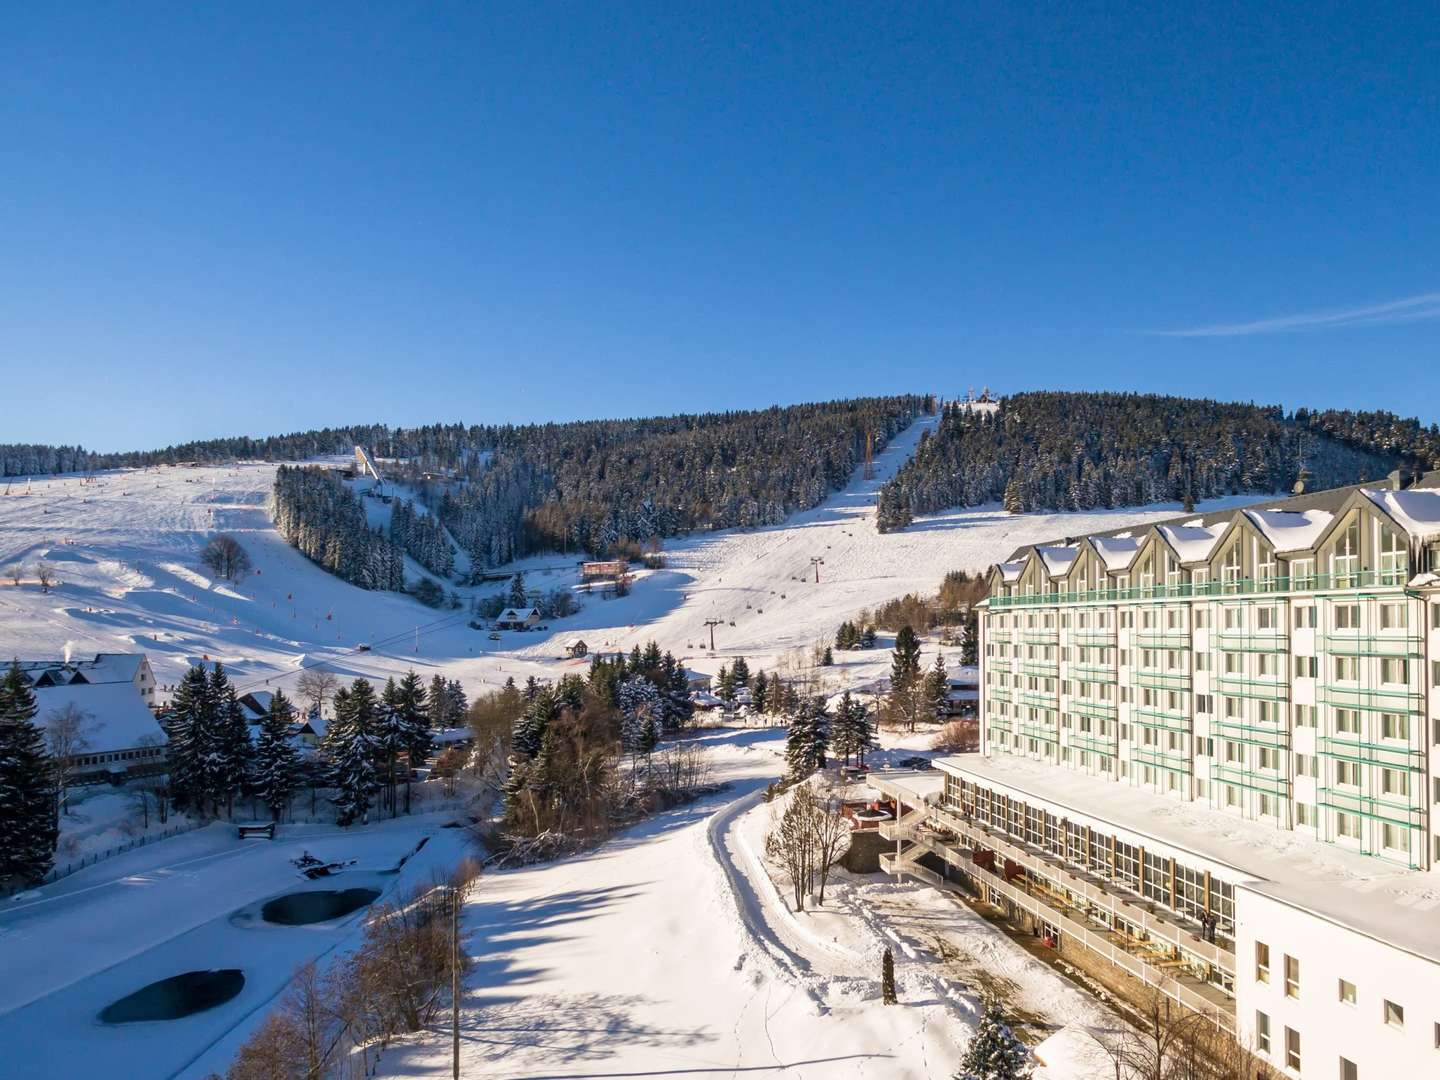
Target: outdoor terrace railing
x=1243 y=587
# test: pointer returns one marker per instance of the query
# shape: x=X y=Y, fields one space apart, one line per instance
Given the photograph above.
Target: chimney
x=1401 y=478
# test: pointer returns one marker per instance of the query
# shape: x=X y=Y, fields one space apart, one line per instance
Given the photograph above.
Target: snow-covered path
x=634 y=961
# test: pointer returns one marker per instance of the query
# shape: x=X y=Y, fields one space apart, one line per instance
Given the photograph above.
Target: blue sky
x=258 y=218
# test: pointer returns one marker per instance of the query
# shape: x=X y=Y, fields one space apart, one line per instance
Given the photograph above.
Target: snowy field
x=180 y=905
x=125 y=547
x=665 y=952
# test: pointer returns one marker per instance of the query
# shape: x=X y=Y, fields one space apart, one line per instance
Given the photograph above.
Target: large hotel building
x=1210 y=758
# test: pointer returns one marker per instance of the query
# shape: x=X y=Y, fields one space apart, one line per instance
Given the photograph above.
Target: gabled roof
x=1290 y=530
x=1193 y=541
x=1116 y=552
x=1415 y=510
x=511 y=614
x=117 y=717
x=1010 y=571
x=1057 y=559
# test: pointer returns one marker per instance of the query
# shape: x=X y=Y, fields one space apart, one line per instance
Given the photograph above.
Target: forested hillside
x=597 y=486
x=1083 y=451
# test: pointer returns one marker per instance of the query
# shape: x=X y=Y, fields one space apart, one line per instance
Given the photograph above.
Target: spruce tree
x=740 y=673
x=412 y=704
x=994 y=1053
x=937 y=688
x=518 y=594
x=277 y=761
x=390 y=742
x=725 y=685
x=352 y=753
x=887 y=977
x=186 y=726
x=228 y=761
x=827 y=658
x=760 y=694
x=28 y=826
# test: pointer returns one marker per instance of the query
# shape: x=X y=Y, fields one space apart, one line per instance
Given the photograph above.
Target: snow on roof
x=923 y=785
x=1057 y=559
x=1416 y=510
x=1359 y=891
x=1290 y=530
x=511 y=614
x=117 y=717
x=1072 y=1053
x=1192 y=541
x=113 y=667
x=1117 y=551
x=1010 y=571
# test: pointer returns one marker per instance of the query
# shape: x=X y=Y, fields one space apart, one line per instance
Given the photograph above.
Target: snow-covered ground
x=125 y=547
x=75 y=946
x=662 y=952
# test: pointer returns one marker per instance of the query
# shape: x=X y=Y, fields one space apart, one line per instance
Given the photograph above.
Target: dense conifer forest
x=1083 y=451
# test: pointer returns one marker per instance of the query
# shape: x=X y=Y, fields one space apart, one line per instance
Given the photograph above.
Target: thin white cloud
x=1412 y=309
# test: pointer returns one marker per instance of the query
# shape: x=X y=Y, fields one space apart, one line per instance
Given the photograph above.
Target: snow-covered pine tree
x=186 y=726
x=518 y=595
x=28 y=826
x=740 y=673
x=412 y=704
x=229 y=756
x=760 y=694
x=352 y=762
x=390 y=742
x=994 y=1053
x=725 y=684
x=639 y=703
x=276 y=775
x=808 y=738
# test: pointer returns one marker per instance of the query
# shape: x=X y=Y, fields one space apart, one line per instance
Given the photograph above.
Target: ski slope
x=125 y=547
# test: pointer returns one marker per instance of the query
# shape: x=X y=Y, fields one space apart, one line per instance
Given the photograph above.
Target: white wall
x=1330 y=1029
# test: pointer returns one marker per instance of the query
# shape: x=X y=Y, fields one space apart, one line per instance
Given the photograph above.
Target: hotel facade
x=1210 y=757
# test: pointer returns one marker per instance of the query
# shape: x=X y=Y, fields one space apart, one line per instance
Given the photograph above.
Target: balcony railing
x=1372 y=699
x=1259 y=689
x=1386 y=808
x=1270 y=641
x=1169 y=760
x=1164 y=719
x=1098 y=744
x=1382 y=643
x=1266 y=735
x=1101 y=673
x=1252 y=779
x=1039 y=698
x=1359 y=579
x=1161 y=680
x=1099 y=710
x=1045 y=669
x=1390 y=755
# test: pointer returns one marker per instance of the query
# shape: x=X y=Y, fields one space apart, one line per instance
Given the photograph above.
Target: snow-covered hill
x=125 y=548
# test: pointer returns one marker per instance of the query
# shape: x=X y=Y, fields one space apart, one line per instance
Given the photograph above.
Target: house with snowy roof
x=133 y=668
x=119 y=735
x=517 y=618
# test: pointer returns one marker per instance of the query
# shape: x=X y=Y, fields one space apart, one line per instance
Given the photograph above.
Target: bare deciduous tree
x=832 y=836
x=225 y=557
x=66 y=736
x=317 y=686
x=45 y=574
x=16 y=573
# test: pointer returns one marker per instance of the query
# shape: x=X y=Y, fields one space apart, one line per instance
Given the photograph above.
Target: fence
x=57 y=872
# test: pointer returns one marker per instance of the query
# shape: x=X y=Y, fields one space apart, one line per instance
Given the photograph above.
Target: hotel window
x=1262 y=962
x=1347 y=668
x=1392 y=616
x=1394 y=670
x=1262 y=1032
x=1394 y=559
x=1348 y=826
x=1394 y=782
x=1394 y=1014
x=1347 y=557
x=1305 y=617
x=1304 y=715
x=1234 y=663
x=1302 y=573
x=1267 y=664
x=1347 y=722
x=1234 y=618
x=1306 y=667
x=1230 y=570
x=1292 y=1049
x=1292 y=976
x=1347 y=616
x=1265 y=618
x=1347 y=774
x=1347 y=992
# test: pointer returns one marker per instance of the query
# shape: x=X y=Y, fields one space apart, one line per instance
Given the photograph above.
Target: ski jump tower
x=365 y=464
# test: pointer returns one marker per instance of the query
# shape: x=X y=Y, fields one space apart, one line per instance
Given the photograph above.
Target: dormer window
x=1230 y=570
x=1347 y=557
x=1394 y=558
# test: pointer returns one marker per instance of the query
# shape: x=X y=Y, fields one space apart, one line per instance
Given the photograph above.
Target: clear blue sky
x=252 y=218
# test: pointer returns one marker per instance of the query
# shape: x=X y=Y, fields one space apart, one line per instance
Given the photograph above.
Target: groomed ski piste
x=668 y=951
